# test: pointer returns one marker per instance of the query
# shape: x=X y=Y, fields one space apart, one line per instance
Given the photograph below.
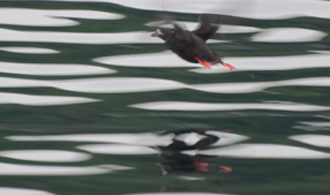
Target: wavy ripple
x=29 y=50
x=52 y=69
x=46 y=155
x=137 y=84
x=270 y=9
x=288 y=35
x=21 y=169
x=22 y=191
x=51 y=18
x=133 y=139
x=170 y=60
x=78 y=37
x=197 y=106
x=225 y=28
x=41 y=100
x=313 y=139
x=260 y=86
x=313 y=126
x=262 y=151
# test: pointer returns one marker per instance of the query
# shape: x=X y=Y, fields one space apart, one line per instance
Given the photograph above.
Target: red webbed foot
x=225 y=169
x=228 y=66
x=204 y=63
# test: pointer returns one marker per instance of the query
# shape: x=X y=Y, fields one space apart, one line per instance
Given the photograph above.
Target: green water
x=113 y=114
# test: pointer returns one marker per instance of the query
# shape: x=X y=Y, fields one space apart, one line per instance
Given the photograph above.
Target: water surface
x=90 y=103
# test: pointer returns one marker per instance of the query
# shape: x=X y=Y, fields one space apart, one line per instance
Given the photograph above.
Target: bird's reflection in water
x=184 y=152
x=179 y=163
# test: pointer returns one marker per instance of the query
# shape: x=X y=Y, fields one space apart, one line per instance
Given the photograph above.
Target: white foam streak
x=268 y=151
x=313 y=139
x=138 y=143
x=131 y=85
x=197 y=106
x=284 y=9
x=118 y=149
x=271 y=63
x=288 y=35
x=224 y=28
x=39 y=170
x=29 y=50
x=258 y=9
x=267 y=63
x=165 y=59
x=226 y=138
x=260 y=86
x=117 y=85
x=16 y=82
x=22 y=191
x=77 y=37
x=51 y=18
x=41 y=100
x=190 y=178
x=52 y=69
x=233 y=87
x=46 y=155
x=143 y=139
x=313 y=126
x=98 y=85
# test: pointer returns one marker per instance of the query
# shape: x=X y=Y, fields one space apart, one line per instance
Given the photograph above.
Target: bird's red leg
x=228 y=66
x=204 y=63
x=201 y=166
x=225 y=169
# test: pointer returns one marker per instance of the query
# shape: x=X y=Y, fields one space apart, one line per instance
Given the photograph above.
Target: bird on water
x=191 y=45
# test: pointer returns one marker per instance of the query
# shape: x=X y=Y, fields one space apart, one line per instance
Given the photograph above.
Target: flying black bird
x=191 y=45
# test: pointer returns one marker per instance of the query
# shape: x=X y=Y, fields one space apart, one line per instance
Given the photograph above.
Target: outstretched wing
x=208 y=25
x=181 y=33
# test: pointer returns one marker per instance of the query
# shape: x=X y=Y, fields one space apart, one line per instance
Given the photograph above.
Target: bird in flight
x=191 y=45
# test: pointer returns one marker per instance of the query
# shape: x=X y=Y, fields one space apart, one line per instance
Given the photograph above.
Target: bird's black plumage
x=191 y=45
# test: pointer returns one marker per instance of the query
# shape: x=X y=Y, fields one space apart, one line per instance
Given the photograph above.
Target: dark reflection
x=182 y=163
x=178 y=163
x=192 y=139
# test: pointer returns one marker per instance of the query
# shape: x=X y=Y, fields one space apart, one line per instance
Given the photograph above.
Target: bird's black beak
x=155 y=34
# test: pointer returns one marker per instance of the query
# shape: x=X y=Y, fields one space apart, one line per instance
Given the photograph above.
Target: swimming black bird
x=191 y=45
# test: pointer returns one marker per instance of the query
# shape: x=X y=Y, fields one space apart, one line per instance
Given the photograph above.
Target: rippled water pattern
x=90 y=103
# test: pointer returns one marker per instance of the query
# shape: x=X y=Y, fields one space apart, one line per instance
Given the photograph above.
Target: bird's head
x=162 y=33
